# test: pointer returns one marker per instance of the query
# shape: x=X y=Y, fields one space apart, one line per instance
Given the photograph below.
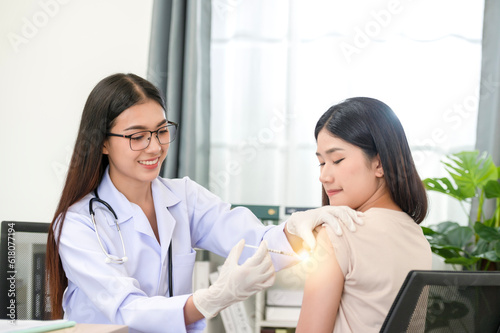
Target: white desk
x=94 y=328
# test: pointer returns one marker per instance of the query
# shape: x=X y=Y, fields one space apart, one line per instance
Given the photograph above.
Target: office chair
x=22 y=270
x=446 y=301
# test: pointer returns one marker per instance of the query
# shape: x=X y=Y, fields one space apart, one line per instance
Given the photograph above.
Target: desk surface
x=93 y=328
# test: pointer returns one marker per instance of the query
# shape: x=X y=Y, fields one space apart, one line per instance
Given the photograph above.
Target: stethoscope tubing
x=109 y=258
x=114 y=259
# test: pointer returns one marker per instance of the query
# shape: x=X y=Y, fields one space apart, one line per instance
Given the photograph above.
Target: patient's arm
x=323 y=288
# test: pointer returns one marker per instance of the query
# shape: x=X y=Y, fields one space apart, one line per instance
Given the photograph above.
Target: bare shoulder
x=323 y=240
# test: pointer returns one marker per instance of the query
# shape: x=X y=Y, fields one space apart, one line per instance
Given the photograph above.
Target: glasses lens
x=166 y=134
x=140 y=140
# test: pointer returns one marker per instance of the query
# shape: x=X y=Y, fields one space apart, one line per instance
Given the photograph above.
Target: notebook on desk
x=57 y=326
x=25 y=326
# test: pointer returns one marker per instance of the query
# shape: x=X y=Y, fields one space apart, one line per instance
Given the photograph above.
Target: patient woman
x=366 y=164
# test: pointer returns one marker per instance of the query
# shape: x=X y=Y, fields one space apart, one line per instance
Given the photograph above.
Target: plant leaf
x=482 y=246
x=490 y=255
x=456 y=249
x=460 y=236
x=471 y=170
x=489 y=222
x=443 y=185
x=428 y=231
x=497 y=249
x=489 y=234
x=444 y=252
x=462 y=261
x=492 y=189
x=444 y=227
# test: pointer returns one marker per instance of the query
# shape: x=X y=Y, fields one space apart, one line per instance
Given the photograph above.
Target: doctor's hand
x=236 y=282
x=303 y=223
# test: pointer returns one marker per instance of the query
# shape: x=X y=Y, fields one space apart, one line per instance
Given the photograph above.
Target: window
x=277 y=65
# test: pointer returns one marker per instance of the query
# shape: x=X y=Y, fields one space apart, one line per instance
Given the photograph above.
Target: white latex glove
x=303 y=223
x=236 y=282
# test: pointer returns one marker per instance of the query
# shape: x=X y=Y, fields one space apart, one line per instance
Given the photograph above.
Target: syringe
x=274 y=251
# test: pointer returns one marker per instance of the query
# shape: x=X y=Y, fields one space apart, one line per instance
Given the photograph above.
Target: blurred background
x=247 y=80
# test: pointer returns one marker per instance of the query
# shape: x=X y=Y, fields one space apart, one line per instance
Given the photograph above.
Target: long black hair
x=110 y=97
x=372 y=126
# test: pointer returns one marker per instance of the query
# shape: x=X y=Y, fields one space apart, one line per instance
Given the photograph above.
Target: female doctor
x=120 y=247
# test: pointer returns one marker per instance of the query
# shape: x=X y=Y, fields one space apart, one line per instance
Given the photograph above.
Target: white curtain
x=277 y=65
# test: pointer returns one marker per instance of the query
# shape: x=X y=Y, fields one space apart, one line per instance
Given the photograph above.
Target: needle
x=273 y=251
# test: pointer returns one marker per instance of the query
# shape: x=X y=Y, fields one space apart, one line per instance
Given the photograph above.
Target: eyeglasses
x=142 y=139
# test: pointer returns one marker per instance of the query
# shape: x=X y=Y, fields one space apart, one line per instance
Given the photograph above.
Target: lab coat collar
x=164 y=198
x=109 y=193
x=124 y=209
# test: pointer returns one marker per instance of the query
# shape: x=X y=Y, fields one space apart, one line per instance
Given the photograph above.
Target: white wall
x=52 y=53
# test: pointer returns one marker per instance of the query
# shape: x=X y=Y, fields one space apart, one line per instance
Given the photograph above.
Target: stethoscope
x=114 y=259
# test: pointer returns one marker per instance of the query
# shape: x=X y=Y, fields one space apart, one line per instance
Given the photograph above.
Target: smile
x=332 y=192
x=149 y=162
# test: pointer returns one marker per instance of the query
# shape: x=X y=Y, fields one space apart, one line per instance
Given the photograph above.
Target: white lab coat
x=136 y=293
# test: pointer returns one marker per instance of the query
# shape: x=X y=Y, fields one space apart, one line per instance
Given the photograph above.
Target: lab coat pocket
x=183 y=265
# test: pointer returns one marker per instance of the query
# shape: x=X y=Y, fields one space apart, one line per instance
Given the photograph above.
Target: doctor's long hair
x=110 y=97
x=372 y=126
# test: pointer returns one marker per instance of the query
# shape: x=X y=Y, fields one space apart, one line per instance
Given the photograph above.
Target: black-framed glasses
x=142 y=139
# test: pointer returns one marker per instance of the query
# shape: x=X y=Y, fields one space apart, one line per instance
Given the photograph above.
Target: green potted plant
x=472 y=176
